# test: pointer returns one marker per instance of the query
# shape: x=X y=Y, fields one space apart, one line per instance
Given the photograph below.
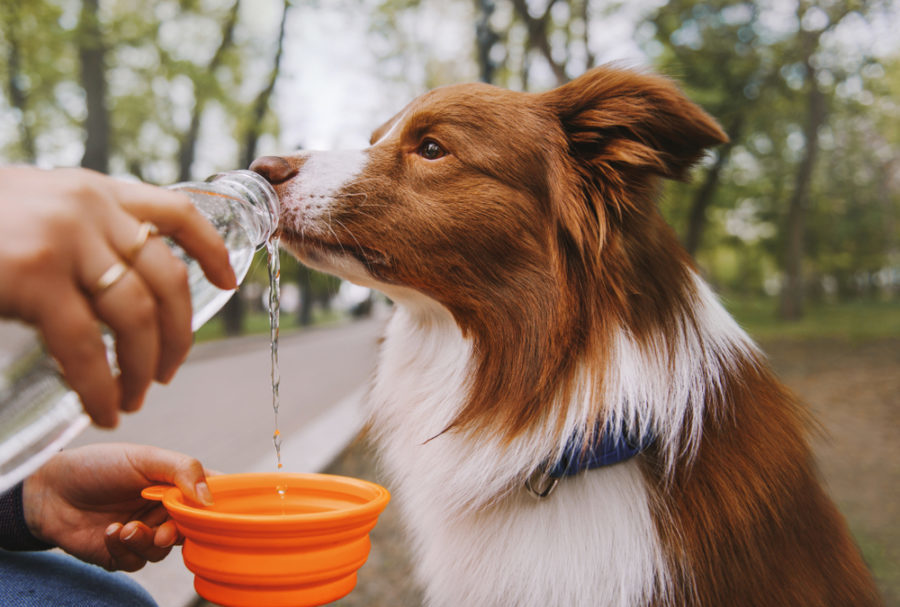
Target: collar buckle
x=540 y=484
x=602 y=449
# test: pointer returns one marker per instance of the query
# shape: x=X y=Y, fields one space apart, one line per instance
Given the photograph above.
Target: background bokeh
x=795 y=221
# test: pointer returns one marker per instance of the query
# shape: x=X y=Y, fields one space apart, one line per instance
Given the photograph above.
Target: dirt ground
x=854 y=391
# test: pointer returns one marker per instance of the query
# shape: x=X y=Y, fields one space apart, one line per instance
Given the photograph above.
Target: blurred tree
x=260 y=105
x=538 y=27
x=16 y=34
x=234 y=312
x=184 y=86
x=206 y=87
x=722 y=32
x=92 y=54
x=40 y=70
x=304 y=282
x=554 y=34
x=780 y=92
x=485 y=39
x=853 y=239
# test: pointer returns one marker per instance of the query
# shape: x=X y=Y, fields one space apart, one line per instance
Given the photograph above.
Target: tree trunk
x=92 y=53
x=590 y=59
x=235 y=310
x=17 y=96
x=791 y=303
x=697 y=219
x=261 y=103
x=233 y=314
x=188 y=146
x=537 y=36
x=485 y=38
x=304 y=282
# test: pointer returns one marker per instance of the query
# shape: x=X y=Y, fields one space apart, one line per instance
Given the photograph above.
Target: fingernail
x=130 y=535
x=112 y=529
x=204 y=493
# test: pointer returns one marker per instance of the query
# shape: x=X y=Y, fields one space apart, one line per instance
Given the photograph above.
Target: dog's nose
x=274 y=168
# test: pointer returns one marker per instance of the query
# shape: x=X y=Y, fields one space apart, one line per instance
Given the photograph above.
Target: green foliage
x=749 y=74
x=35 y=64
x=257 y=323
x=857 y=320
x=742 y=61
x=157 y=67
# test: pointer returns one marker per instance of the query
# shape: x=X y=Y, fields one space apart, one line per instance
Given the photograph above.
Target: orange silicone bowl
x=254 y=547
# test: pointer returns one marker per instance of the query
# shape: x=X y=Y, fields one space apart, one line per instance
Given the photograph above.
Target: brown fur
x=538 y=230
x=749 y=519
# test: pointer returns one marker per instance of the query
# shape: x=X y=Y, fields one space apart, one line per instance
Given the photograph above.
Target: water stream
x=274 y=316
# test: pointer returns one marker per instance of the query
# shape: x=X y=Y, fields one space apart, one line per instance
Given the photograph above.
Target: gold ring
x=109 y=278
x=145 y=230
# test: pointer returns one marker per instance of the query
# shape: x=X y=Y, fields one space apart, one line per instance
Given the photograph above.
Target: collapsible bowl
x=276 y=539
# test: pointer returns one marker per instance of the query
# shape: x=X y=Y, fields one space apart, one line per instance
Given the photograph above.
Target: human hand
x=60 y=230
x=88 y=502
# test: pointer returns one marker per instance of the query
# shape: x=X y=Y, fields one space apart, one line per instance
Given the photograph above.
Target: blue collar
x=606 y=449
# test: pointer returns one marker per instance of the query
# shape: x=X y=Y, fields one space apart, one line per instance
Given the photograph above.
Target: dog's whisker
x=366 y=260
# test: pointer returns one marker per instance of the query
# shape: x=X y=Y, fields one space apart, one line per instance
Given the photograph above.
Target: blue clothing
x=14 y=533
x=44 y=579
x=49 y=579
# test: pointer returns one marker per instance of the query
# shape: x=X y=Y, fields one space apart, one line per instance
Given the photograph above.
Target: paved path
x=219 y=409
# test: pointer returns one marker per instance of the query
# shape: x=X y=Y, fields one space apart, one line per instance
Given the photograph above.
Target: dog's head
x=529 y=217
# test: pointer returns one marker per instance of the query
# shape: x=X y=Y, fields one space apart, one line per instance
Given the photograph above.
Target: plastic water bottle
x=39 y=414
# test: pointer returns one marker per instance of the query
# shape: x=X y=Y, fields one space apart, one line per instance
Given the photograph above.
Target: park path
x=219 y=410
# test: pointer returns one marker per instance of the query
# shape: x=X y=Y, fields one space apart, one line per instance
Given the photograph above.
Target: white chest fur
x=478 y=537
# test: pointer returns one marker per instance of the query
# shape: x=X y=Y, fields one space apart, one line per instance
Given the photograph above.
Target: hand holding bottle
x=74 y=253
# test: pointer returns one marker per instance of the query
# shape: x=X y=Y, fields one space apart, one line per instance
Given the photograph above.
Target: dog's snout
x=274 y=168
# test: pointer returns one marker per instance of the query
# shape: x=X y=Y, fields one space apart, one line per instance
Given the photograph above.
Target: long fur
x=539 y=296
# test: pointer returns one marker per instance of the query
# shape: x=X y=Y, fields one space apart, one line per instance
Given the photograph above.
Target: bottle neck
x=263 y=208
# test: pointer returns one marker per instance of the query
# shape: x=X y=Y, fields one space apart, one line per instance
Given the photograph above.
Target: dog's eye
x=431 y=150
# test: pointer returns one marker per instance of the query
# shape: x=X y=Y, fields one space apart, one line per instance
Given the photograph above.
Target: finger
x=122 y=558
x=138 y=539
x=152 y=517
x=166 y=535
x=129 y=309
x=167 y=279
x=183 y=471
x=72 y=337
x=175 y=215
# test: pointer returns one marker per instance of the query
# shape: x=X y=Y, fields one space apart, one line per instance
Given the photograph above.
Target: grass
x=883 y=567
x=257 y=323
x=858 y=320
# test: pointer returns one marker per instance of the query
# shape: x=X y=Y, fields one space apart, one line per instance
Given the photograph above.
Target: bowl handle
x=155 y=492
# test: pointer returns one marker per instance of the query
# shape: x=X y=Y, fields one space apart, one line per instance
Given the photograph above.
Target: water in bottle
x=38 y=412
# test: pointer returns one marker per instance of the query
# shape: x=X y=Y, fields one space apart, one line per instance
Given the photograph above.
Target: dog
x=566 y=413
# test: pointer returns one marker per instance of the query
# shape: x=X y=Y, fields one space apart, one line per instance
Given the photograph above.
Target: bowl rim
x=376 y=500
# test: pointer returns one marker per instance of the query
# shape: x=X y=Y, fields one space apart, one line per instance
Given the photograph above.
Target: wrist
x=32 y=506
x=15 y=531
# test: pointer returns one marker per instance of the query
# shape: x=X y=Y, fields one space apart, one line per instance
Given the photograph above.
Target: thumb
x=173 y=468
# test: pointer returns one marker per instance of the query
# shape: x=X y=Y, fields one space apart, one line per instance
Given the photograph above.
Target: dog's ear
x=618 y=119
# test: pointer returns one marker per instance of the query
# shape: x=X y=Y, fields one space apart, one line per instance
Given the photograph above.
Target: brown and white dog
x=543 y=309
